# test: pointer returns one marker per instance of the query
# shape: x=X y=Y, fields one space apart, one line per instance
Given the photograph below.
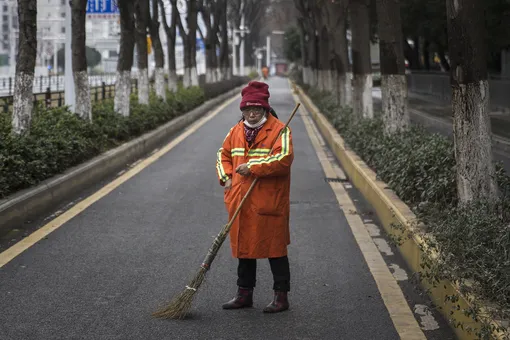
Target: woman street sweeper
x=261 y=230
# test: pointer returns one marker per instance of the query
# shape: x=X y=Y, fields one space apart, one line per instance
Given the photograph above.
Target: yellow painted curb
x=391 y=210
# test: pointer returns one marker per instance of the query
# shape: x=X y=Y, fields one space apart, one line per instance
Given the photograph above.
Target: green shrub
x=473 y=239
x=213 y=90
x=253 y=75
x=59 y=140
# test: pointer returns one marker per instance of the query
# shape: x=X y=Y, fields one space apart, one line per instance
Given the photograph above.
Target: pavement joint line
x=9 y=254
x=400 y=313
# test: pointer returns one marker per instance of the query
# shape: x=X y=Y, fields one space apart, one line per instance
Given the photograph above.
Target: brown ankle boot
x=243 y=298
x=279 y=304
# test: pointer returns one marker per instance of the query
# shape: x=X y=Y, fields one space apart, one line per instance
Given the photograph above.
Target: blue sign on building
x=102 y=7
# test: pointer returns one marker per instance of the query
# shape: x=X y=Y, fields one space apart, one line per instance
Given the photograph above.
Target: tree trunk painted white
x=330 y=80
x=473 y=145
x=186 y=78
x=394 y=102
x=320 y=80
x=23 y=102
x=327 y=80
x=341 y=89
x=348 y=89
x=122 y=93
x=83 y=106
x=218 y=74
x=160 y=83
x=172 y=80
x=362 y=96
x=143 y=86
x=226 y=73
x=194 y=76
x=314 y=77
x=209 y=76
x=361 y=59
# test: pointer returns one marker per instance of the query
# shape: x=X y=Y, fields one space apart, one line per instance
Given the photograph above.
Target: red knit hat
x=255 y=94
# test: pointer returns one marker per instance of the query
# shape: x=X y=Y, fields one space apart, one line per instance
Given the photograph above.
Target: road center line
x=9 y=254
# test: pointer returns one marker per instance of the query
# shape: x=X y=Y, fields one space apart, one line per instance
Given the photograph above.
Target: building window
x=63 y=30
x=63 y=14
x=6 y=8
x=63 y=2
x=5 y=18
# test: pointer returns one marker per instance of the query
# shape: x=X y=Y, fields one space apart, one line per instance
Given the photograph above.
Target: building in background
x=8 y=36
x=103 y=34
x=50 y=34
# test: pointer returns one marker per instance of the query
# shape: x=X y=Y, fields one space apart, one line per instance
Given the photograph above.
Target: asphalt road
x=101 y=274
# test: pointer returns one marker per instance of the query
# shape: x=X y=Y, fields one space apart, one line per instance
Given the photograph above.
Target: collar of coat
x=268 y=126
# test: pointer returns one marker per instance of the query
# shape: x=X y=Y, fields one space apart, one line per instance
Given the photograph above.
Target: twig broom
x=181 y=304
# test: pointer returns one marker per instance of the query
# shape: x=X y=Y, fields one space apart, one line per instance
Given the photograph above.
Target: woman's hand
x=243 y=170
x=228 y=184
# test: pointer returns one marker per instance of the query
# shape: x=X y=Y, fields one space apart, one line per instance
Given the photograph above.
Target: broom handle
x=218 y=241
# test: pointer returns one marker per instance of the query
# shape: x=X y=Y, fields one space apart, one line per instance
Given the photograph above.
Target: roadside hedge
x=59 y=140
x=474 y=239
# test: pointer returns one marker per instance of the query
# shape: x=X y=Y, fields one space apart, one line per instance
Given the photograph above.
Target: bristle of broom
x=179 y=307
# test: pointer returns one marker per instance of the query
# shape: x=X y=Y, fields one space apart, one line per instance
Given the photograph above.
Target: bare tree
x=305 y=60
x=189 y=40
x=338 y=76
x=324 y=80
x=393 y=78
x=254 y=13
x=211 y=11
x=159 y=55
x=25 y=65
x=361 y=62
x=171 y=33
x=224 y=61
x=142 y=24
x=125 y=63
x=83 y=105
x=470 y=100
x=308 y=25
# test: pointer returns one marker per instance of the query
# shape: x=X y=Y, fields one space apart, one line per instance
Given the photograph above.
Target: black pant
x=247 y=273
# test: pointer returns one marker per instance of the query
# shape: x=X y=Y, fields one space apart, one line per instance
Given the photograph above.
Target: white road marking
x=428 y=323
x=383 y=246
x=398 y=273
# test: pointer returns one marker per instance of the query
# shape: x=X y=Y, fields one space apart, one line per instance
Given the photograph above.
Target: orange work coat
x=265 y=72
x=261 y=230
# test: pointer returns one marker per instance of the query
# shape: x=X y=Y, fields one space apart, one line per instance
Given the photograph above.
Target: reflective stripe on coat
x=261 y=230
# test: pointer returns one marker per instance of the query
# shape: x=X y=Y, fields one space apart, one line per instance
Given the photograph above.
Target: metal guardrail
x=51 y=98
x=54 y=83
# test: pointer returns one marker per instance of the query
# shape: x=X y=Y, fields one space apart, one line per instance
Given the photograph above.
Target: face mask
x=256 y=125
